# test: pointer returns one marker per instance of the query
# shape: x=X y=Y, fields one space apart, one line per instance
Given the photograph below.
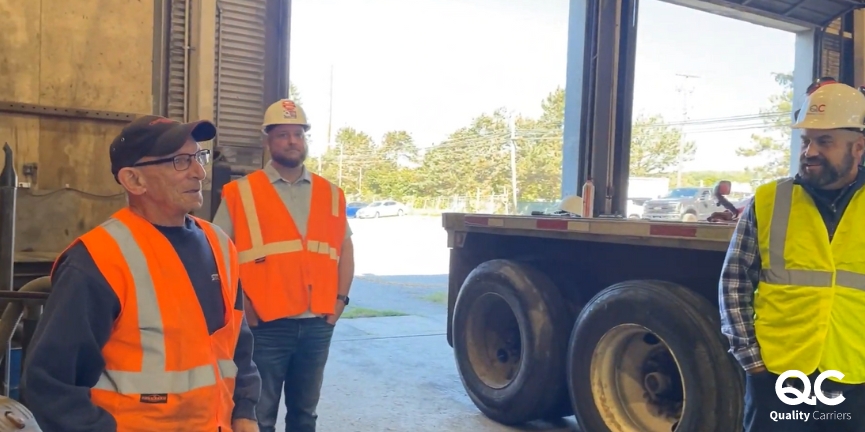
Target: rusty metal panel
x=178 y=60
x=240 y=74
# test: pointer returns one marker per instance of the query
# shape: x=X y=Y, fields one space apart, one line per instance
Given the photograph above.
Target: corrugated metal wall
x=239 y=84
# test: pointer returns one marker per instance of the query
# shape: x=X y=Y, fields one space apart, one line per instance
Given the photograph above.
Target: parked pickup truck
x=681 y=202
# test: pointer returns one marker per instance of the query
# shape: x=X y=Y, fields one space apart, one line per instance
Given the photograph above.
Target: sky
x=430 y=66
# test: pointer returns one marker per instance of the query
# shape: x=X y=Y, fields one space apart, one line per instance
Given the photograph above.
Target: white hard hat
x=831 y=105
x=572 y=204
x=285 y=111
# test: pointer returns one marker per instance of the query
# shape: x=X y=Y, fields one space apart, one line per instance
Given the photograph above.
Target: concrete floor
x=398 y=373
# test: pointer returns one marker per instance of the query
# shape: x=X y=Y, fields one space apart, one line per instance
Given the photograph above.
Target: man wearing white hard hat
x=792 y=291
x=296 y=267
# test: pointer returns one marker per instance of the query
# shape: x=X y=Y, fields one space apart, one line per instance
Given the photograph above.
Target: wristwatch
x=343 y=298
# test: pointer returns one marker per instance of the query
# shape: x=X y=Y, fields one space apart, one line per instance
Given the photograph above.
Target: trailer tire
x=681 y=376
x=501 y=304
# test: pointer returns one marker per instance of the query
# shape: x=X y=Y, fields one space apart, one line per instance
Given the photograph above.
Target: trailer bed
x=683 y=235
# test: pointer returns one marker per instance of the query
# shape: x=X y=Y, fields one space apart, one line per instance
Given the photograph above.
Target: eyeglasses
x=183 y=161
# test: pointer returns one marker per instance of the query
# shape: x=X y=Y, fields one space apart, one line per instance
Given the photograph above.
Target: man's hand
x=244 y=425
x=337 y=312
x=251 y=316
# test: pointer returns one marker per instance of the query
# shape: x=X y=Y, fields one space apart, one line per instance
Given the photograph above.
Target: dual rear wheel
x=643 y=356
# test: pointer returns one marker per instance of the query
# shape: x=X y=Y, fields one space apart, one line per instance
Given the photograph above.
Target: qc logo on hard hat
x=817 y=109
x=289 y=109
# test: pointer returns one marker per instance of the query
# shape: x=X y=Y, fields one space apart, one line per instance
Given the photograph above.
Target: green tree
x=709 y=178
x=294 y=93
x=655 y=147
x=391 y=172
x=399 y=148
x=474 y=159
x=539 y=150
x=772 y=147
x=355 y=150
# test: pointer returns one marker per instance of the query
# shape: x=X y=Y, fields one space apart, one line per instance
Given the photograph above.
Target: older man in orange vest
x=144 y=330
x=296 y=265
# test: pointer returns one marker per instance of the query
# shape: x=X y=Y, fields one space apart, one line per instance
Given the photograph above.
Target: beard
x=827 y=173
x=288 y=162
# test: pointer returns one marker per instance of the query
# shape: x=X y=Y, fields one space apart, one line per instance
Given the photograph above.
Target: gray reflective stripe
x=156 y=382
x=850 y=279
x=149 y=315
x=153 y=378
x=227 y=368
x=777 y=273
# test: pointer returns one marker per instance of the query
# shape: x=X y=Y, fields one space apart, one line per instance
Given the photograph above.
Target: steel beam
x=804 y=73
x=578 y=29
x=599 y=100
x=71 y=112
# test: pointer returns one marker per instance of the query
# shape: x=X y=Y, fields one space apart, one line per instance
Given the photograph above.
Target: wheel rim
x=636 y=380
x=493 y=341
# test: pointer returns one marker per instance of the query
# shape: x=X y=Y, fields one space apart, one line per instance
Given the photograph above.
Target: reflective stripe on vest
x=260 y=250
x=153 y=378
x=778 y=273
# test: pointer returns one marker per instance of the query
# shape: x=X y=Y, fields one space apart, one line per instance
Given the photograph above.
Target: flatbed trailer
x=613 y=320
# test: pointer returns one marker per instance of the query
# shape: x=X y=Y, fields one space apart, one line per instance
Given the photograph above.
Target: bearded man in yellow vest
x=792 y=291
x=296 y=267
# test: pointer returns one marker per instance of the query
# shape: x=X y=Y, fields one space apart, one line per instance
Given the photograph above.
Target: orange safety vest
x=162 y=369
x=283 y=273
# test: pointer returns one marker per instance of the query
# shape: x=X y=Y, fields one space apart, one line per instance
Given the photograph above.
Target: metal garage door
x=803 y=13
x=831 y=18
x=239 y=82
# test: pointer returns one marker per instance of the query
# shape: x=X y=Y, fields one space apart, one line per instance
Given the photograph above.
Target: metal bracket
x=54 y=111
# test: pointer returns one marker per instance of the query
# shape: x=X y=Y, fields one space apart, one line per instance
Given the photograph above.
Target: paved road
x=397 y=373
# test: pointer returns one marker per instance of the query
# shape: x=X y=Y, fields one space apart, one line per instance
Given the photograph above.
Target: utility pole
x=513 y=144
x=685 y=91
x=329 y=121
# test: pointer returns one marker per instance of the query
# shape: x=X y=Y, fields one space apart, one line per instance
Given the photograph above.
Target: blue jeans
x=293 y=352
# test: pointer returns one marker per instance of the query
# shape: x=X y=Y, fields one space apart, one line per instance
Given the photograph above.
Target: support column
x=859 y=48
x=598 y=100
x=578 y=29
x=803 y=75
x=202 y=66
x=278 y=48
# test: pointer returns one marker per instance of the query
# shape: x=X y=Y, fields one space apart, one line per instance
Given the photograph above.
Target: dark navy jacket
x=64 y=360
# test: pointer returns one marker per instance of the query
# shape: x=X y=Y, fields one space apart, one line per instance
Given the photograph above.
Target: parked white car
x=382 y=209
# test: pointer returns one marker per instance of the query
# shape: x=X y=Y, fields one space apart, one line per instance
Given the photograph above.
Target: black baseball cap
x=154 y=136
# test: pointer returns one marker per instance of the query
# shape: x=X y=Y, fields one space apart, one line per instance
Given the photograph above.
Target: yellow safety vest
x=810 y=302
